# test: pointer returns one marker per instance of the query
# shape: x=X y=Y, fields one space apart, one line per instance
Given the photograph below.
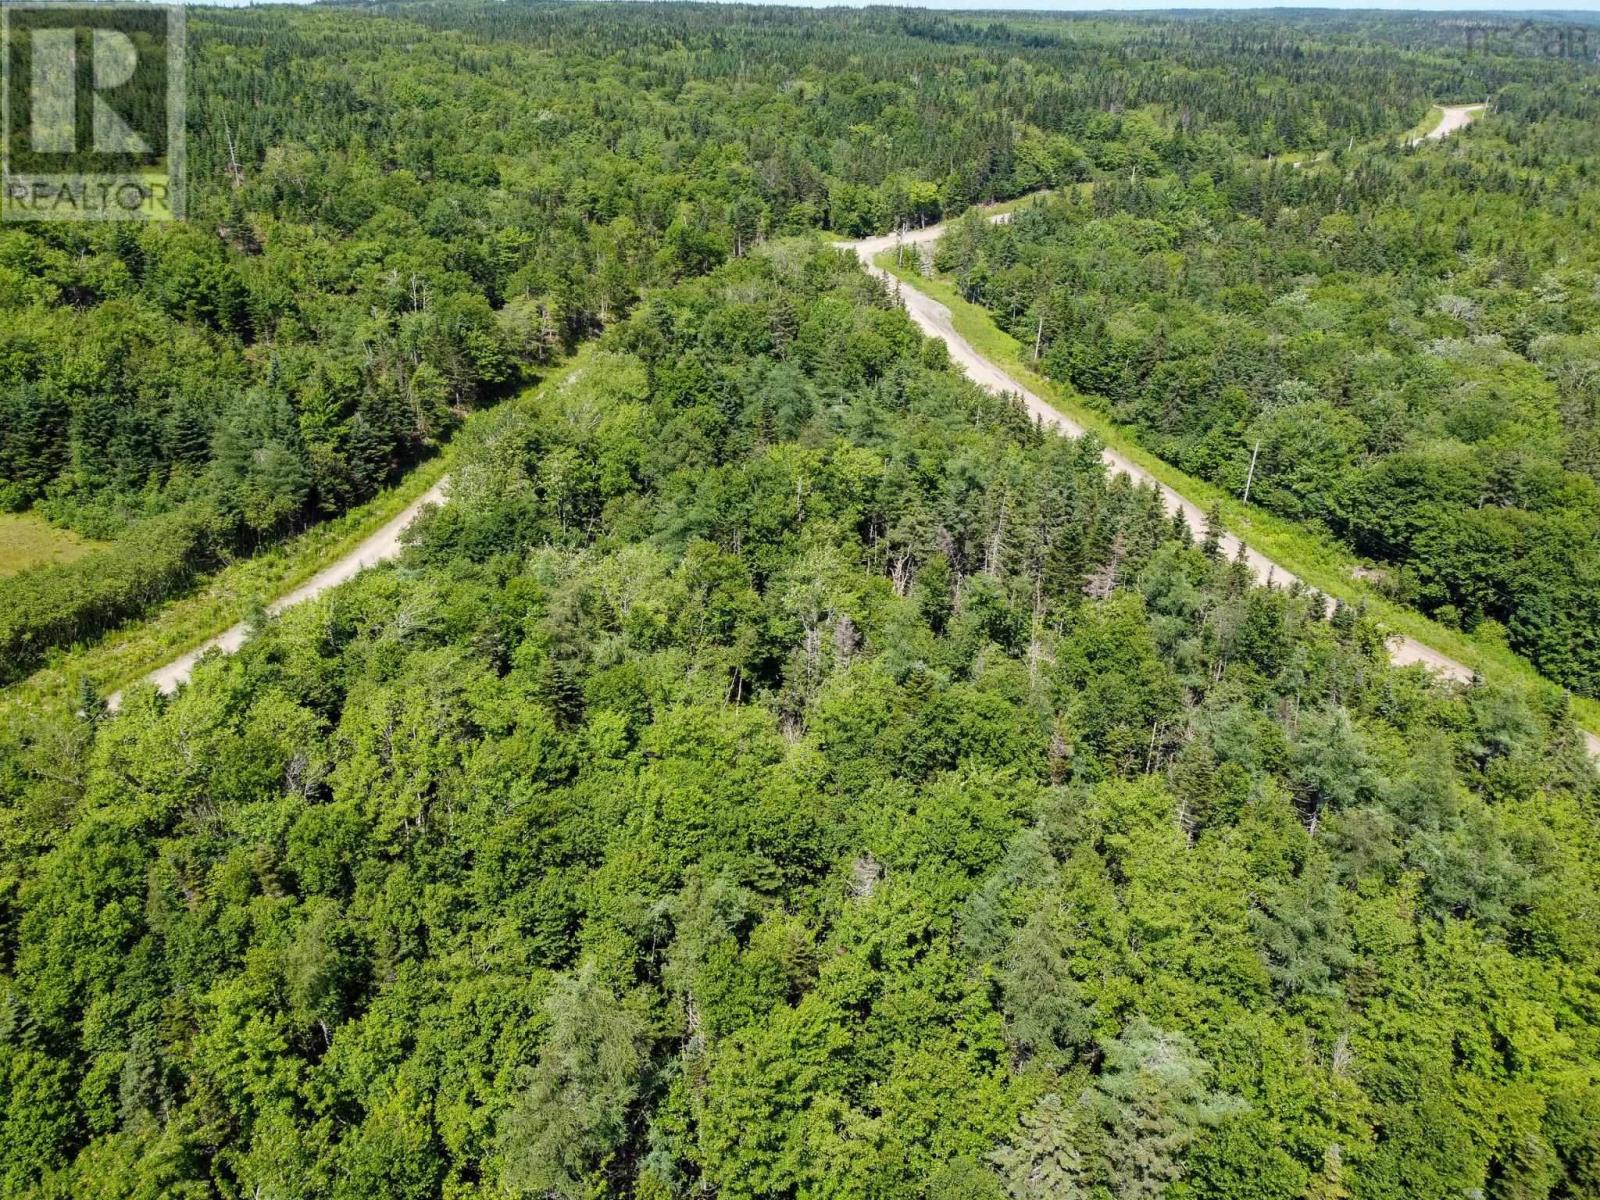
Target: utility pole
x=1251 y=474
x=1038 y=334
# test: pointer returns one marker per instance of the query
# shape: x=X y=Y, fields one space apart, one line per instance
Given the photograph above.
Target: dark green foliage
x=62 y=604
x=383 y=238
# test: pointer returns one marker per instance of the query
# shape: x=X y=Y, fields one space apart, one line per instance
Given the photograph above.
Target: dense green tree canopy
x=736 y=791
x=400 y=211
x=783 y=769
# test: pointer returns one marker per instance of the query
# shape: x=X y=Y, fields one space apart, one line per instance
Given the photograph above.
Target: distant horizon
x=1101 y=6
x=1098 y=6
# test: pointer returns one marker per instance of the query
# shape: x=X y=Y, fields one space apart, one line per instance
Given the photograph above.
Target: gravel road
x=933 y=318
x=1454 y=117
x=379 y=546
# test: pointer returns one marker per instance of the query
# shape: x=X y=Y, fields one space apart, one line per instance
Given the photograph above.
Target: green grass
x=28 y=540
x=1436 y=114
x=1318 y=560
x=1425 y=126
x=1012 y=205
x=1300 y=158
x=229 y=596
x=1421 y=129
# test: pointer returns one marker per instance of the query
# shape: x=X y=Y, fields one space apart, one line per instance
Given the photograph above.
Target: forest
x=784 y=769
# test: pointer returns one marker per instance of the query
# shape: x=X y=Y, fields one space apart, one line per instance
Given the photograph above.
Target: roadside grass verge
x=1318 y=560
x=1427 y=125
x=225 y=598
x=1000 y=207
x=229 y=595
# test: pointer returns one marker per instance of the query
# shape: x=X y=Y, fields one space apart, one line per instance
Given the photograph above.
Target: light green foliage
x=729 y=816
x=1150 y=1102
x=28 y=540
x=1045 y=1162
x=577 y=1108
x=1127 y=1133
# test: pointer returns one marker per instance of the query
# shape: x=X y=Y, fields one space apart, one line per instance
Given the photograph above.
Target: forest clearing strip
x=222 y=599
x=954 y=322
x=164 y=648
x=1452 y=117
x=381 y=545
x=994 y=359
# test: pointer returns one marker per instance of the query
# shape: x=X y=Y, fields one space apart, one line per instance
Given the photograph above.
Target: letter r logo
x=92 y=113
x=55 y=81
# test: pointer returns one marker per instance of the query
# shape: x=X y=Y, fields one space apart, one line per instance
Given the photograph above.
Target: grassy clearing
x=28 y=540
x=230 y=595
x=1425 y=126
x=1009 y=206
x=1318 y=560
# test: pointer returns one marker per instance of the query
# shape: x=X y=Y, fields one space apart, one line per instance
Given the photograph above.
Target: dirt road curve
x=933 y=319
x=377 y=547
x=1452 y=118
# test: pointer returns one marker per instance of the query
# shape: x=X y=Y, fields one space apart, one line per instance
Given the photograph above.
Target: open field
x=332 y=550
x=224 y=599
x=28 y=540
